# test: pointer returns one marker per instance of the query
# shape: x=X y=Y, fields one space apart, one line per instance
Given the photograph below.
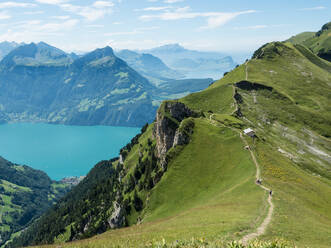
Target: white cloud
x=35 y=26
x=95 y=26
x=15 y=5
x=55 y=27
x=102 y=4
x=36 y=30
x=252 y=27
x=134 y=32
x=54 y=2
x=4 y=15
x=123 y=33
x=61 y=17
x=173 y=1
x=34 y=12
x=214 y=19
x=91 y=12
x=220 y=19
x=31 y=23
x=314 y=8
x=155 y=8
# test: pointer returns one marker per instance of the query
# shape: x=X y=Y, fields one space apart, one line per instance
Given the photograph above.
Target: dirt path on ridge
x=246 y=70
x=261 y=229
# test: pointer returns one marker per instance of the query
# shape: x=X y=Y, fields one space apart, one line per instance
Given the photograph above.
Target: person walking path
x=261 y=229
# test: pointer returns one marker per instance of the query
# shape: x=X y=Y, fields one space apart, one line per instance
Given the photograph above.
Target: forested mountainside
x=25 y=194
x=41 y=83
x=193 y=172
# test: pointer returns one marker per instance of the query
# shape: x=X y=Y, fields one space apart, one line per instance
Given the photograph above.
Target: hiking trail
x=261 y=229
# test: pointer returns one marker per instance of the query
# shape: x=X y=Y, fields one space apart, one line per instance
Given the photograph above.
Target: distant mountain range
x=149 y=66
x=41 y=83
x=193 y=64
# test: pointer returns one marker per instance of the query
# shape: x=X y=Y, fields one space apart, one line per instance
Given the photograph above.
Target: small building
x=249 y=132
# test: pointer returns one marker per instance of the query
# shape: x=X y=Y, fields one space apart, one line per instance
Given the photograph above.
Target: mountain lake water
x=59 y=150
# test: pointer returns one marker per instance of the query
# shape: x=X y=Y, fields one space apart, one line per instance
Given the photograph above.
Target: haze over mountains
x=194 y=64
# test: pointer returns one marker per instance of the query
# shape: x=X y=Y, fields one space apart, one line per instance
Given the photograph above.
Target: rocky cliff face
x=117 y=219
x=167 y=131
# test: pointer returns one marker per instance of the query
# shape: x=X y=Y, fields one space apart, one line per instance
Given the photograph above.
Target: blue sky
x=218 y=25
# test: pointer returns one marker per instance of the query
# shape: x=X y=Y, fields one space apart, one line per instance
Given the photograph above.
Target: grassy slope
x=302 y=199
x=199 y=195
x=300 y=38
x=300 y=178
x=319 y=43
x=208 y=190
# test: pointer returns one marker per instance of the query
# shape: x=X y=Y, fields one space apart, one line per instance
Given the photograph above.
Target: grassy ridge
x=302 y=201
x=300 y=38
x=319 y=43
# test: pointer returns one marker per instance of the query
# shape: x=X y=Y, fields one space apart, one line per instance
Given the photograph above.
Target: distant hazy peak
x=29 y=50
x=9 y=43
x=36 y=54
x=169 y=48
x=126 y=53
x=101 y=52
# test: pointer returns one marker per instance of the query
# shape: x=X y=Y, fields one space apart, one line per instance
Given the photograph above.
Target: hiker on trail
x=270 y=192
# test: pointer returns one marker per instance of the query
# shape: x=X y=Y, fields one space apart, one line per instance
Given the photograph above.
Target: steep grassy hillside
x=25 y=194
x=192 y=173
x=319 y=43
x=298 y=39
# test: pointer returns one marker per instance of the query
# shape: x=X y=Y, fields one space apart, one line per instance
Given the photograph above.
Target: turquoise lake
x=62 y=151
